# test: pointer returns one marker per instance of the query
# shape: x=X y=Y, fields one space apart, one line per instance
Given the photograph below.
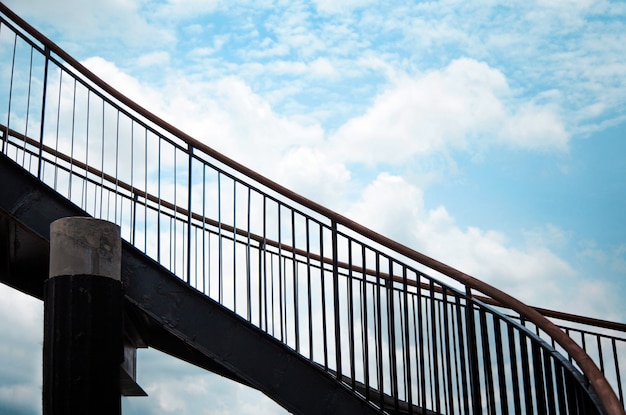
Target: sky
x=491 y=137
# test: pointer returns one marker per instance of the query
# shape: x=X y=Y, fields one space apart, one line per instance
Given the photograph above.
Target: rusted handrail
x=569 y=317
x=598 y=382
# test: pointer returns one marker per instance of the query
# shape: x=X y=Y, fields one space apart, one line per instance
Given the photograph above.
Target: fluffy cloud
x=467 y=104
x=21 y=325
x=532 y=272
x=119 y=19
x=185 y=9
x=229 y=117
x=315 y=175
x=390 y=205
x=176 y=387
x=330 y=6
x=460 y=104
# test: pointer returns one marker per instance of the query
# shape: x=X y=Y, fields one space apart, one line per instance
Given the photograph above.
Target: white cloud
x=293 y=27
x=613 y=259
x=118 y=79
x=21 y=328
x=323 y=68
x=390 y=205
x=535 y=128
x=174 y=386
x=467 y=104
x=185 y=9
x=159 y=58
x=464 y=105
x=229 y=117
x=268 y=48
x=91 y=19
x=619 y=259
x=533 y=272
x=24 y=398
x=330 y=6
x=549 y=236
x=315 y=175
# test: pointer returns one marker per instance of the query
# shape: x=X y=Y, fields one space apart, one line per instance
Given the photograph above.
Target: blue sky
x=490 y=137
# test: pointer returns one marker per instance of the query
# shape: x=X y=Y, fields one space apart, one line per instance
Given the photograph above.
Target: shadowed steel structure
x=216 y=255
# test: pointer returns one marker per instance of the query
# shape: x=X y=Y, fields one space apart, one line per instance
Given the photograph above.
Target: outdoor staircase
x=229 y=271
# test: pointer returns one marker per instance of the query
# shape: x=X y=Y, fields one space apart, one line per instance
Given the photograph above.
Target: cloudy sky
x=490 y=137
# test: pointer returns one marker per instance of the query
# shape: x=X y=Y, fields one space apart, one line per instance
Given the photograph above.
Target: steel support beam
x=180 y=321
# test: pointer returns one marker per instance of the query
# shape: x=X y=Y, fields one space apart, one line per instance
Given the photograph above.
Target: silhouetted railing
x=362 y=307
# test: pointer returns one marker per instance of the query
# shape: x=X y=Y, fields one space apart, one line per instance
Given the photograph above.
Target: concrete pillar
x=83 y=332
x=85 y=246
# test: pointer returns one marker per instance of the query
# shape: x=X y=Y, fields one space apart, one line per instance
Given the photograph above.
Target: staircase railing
x=364 y=308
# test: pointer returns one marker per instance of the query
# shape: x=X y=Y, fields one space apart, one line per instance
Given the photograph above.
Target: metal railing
x=364 y=308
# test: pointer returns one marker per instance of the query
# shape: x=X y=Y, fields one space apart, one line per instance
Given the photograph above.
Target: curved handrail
x=597 y=381
x=569 y=317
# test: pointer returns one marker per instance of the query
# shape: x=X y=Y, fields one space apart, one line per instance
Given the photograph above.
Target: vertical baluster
x=43 y=112
x=454 y=306
x=189 y=207
x=528 y=392
x=600 y=356
x=86 y=180
x=379 y=336
x=617 y=372
x=350 y=282
x=420 y=331
x=472 y=353
x=308 y=286
x=102 y=162
x=485 y=343
x=234 y=273
x=58 y=120
x=337 y=322
x=30 y=81
x=248 y=259
x=5 y=143
x=446 y=351
x=407 y=346
x=281 y=313
x=69 y=188
x=435 y=359
x=365 y=325
x=205 y=232
x=117 y=162
x=272 y=295
x=502 y=388
x=463 y=359
x=145 y=188
x=323 y=289
x=391 y=333
x=538 y=372
x=263 y=272
x=549 y=369
x=559 y=382
x=294 y=272
x=220 y=251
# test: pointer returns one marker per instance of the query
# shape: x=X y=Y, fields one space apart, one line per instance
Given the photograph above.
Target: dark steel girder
x=23 y=257
x=169 y=315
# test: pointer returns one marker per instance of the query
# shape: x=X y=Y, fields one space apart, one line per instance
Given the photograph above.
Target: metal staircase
x=234 y=273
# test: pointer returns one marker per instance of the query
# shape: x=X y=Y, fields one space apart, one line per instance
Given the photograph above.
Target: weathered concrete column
x=83 y=337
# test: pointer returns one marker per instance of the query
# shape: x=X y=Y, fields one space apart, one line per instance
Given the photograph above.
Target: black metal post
x=83 y=334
